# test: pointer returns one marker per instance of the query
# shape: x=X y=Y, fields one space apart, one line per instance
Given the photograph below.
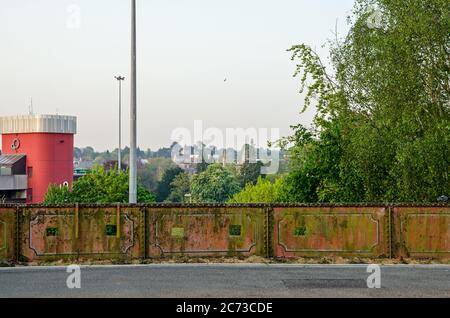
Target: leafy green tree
x=315 y=165
x=264 y=191
x=152 y=172
x=58 y=195
x=202 y=166
x=250 y=173
x=397 y=74
x=98 y=186
x=180 y=186
x=381 y=132
x=165 y=185
x=215 y=185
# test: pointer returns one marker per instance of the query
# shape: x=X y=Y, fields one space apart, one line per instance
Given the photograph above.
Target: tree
x=381 y=132
x=264 y=191
x=315 y=164
x=58 y=195
x=395 y=79
x=152 y=172
x=98 y=186
x=77 y=153
x=202 y=166
x=88 y=153
x=215 y=185
x=180 y=186
x=164 y=187
x=250 y=173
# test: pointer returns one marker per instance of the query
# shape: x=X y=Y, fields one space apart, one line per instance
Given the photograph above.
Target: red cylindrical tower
x=47 y=141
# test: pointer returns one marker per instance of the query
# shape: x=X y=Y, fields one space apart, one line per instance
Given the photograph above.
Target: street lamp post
x=133 y=102
x=119 y=157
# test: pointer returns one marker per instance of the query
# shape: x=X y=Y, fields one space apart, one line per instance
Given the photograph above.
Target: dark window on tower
x=30 y=172
x=30 y=194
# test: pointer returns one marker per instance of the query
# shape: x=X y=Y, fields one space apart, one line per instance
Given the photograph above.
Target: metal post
x=119 y=159
x=119 y=155
x=133 y=141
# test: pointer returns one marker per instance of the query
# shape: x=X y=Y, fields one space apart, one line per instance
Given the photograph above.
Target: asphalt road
x=234 y=281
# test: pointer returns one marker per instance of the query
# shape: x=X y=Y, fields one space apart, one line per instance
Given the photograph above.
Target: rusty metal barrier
x=8 y=229
x=422 y=232
x=311 y=231
x=105 y=232
x=126 y=232
x=206 y=231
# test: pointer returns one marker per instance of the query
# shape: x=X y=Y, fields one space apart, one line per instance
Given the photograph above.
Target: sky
x=223 y=62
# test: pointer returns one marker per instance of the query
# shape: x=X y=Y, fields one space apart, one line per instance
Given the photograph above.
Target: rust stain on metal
x=41 y=233
x=206 y=231
x=7 y=234
x=71 y=232
x=77 y=220
x=311 y=231
x=422 y=231
x=118 y=221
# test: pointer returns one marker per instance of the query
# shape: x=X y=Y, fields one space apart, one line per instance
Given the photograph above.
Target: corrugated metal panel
x=38 y=124
x=13 y=183
x=9 y=160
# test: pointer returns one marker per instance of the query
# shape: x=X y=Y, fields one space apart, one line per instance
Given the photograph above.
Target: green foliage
x=152 y=172
x=216 y=184
x=180 y=186
x=58 y=195
x=250 y=173
x=314 y=164
x=88 y=153
x=381 y=132
x=165 y=185
x=98 y=186
x=264 y=191
x=143 y=195
x=202 y=166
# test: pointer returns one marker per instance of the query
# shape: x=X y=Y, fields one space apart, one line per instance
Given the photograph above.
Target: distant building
x=13 y=179
x=81 y=168
x=189 y=157
x=37 y=152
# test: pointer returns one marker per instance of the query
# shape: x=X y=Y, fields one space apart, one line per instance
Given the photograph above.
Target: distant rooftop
x=38 y=124
x=9 y=160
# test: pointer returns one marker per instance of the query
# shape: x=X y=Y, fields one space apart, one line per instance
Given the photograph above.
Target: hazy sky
x=186 y=48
